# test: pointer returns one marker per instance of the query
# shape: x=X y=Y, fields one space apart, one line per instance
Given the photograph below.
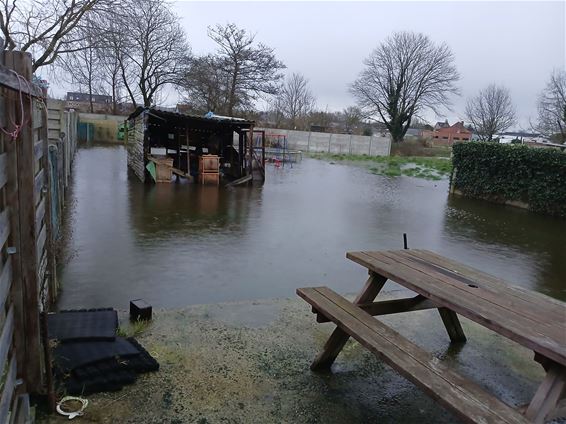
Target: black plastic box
x=140 y=310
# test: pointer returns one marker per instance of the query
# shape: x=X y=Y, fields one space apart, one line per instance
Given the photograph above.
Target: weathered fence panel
x=62 y=133
x=28 y=203
x=12 y=352
x=319 y=142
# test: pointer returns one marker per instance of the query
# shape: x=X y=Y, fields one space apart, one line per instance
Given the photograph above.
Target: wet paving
x=248 y=362
x=181 y=244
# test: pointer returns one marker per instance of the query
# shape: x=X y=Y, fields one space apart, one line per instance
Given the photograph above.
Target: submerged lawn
x=430 y=168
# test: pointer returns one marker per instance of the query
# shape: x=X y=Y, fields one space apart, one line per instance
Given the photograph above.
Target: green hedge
x=502 y=173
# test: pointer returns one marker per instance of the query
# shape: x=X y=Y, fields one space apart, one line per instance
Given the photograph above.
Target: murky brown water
x=180 y=244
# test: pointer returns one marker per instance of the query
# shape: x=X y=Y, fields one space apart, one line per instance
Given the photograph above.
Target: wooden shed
x=194 y=147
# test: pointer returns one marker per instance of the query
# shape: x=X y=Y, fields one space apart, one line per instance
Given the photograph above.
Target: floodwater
x=180 y=244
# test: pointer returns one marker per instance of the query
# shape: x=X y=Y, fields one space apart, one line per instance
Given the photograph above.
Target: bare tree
x=81 y=68
x=295 y=100
x=352 y=118
x=151 y=49
x=252 y=69
x=112 y=82
x=204 y=85
x=273 y=116
x=322 y=118
x=109 y=40
x=491 y=111
x=403 y=76
x=114 y=41
x=45 y=28
x=552 y=108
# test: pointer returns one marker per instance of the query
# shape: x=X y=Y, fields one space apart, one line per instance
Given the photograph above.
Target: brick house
x=445 y=134
x=81 y=102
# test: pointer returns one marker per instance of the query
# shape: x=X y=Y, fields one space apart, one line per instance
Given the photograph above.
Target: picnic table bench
x=533 y=320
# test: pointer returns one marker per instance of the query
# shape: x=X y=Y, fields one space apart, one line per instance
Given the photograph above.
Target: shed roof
x=193 y=120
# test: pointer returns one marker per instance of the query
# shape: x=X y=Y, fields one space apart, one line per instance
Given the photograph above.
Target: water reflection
x=528 y=243
x=182 y=210
x=180 y=244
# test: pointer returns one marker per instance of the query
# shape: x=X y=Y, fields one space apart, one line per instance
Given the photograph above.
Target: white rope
x=72 y=414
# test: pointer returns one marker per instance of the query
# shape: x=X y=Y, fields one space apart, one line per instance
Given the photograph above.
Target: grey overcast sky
x=516 y=44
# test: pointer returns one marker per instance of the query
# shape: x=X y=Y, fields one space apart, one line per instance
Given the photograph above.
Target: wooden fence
x=28 y=283
x=62 y=135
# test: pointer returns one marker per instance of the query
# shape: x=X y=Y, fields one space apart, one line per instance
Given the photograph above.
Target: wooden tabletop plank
x=500 y=297
x=548 y=342
x=474 y=299
x=516 y=308
x=555 y=307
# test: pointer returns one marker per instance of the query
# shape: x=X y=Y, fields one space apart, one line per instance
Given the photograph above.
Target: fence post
x=369 y=151
x=16 y=293
x=51 y=269
x=309 y=142
x=329 y=140
x=350 y=145
x=20 y=62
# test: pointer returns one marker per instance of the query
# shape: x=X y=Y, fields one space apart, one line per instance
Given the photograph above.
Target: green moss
x=430 y=168
x=133 y=329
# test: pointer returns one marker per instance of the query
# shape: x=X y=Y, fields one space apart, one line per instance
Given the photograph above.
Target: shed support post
x=250 y=150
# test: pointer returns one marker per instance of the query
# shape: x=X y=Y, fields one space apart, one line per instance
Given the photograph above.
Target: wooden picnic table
x=531 y=319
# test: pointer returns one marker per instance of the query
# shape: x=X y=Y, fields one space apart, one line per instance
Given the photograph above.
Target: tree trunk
x=90 y=95
x=396 y=131
x=90 y=68
x=232 y=97
x=114 y=102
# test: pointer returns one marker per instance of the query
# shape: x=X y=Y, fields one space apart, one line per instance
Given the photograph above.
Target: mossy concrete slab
x=248 y=362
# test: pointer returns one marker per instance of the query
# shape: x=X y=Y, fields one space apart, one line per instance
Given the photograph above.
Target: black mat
x=99 y=380
x=107 y=375
x=144 y=362
x=92 y=324
x=71 y=355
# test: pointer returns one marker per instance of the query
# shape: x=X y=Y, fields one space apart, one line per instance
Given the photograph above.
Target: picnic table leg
x=452 y=324
x=544 y=404
x=338 y=339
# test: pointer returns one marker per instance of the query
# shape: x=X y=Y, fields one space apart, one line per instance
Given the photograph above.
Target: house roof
x=458 y=127
x=413 y=131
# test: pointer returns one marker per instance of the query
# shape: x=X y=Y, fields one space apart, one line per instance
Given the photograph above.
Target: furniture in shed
x=163 y=168
x=209 y=166
x=533 y=320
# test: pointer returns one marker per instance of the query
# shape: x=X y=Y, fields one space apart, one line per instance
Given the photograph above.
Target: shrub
x=511 y=173
x=418 y=148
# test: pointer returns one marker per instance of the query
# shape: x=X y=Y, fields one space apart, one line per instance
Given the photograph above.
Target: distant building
x=100 y=103
x=440 y=125
x=85 y=97
x=183 y=108
x=413 y=133
x=446 y=134
x=82 y=102
x=318 y=128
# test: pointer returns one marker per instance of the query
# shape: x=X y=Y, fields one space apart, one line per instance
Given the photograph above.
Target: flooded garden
x=178 y=244
x=221 y=266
